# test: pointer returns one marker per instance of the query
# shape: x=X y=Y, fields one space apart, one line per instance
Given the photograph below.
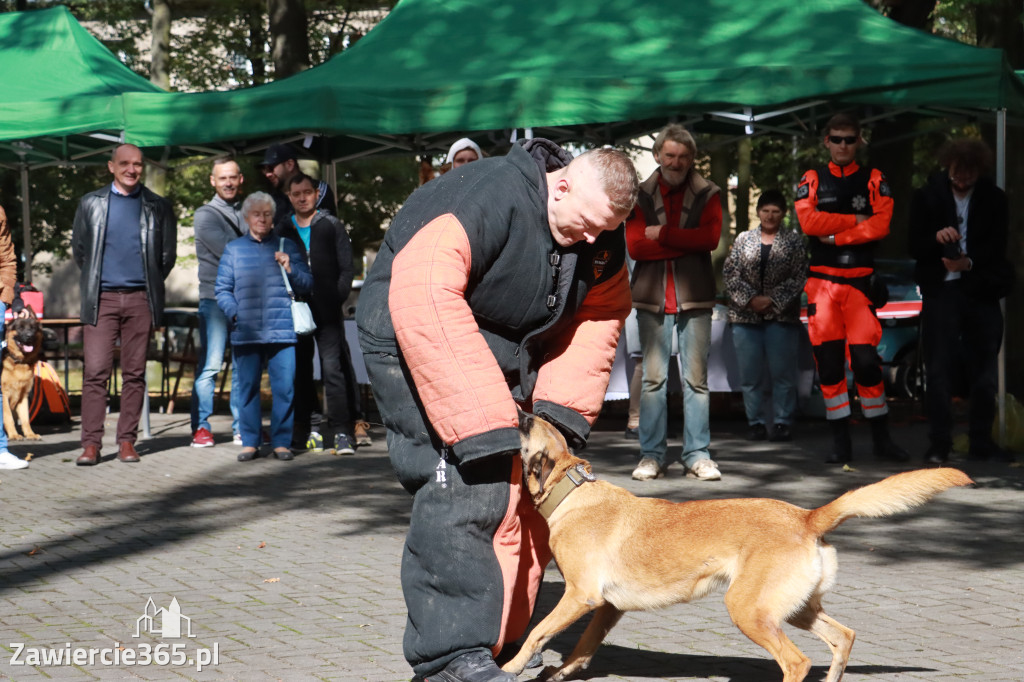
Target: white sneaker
x=647 y=469
x=236 y=439
x=705 y=470
x=9 y=461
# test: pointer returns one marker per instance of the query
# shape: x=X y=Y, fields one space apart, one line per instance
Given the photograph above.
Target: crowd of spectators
x=957 y=237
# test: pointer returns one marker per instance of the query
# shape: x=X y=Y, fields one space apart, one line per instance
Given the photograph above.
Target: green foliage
x=955 y=19
x=223 y=44
x=53 y=199
x=370 y=192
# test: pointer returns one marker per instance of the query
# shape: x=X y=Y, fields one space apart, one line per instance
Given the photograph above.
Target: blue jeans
x=3 y=427
x=767 y=358
x=693 y=329
x=280 y=361
x=213 y=338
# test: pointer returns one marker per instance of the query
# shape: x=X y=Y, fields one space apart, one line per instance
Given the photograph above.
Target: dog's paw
x=552 y=673
x=33 y=436
x=15 y=436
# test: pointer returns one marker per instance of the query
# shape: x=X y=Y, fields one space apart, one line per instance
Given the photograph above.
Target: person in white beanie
x=463 y=151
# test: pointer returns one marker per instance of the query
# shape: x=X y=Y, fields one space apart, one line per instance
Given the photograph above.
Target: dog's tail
x=889 y=496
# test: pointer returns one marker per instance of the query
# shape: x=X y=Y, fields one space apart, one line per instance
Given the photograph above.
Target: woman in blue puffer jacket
x=250 y=290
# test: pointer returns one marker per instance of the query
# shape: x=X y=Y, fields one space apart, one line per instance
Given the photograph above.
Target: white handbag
x=302 y=316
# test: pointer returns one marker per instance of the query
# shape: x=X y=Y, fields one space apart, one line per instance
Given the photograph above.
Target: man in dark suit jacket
x=958 y=227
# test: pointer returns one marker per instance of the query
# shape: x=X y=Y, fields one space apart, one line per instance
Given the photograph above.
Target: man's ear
x=561 y=187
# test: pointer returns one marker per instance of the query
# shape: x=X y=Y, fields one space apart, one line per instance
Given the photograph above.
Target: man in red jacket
x=845 y=210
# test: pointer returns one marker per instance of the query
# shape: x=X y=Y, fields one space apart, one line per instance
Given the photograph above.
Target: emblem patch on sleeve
x=883 y=188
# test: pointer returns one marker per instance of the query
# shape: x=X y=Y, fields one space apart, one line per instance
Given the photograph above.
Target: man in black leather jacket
x=124 y=240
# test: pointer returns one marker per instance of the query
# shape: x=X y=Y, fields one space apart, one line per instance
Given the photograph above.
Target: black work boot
x=842 y=447
x=937 y=453
x=884 y=446
x=476 y=666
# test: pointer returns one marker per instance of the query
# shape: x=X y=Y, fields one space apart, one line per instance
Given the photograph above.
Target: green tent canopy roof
x=472 y=65
x=58 y=80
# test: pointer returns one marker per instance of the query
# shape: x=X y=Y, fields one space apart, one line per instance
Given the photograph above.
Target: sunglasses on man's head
x=836 y=139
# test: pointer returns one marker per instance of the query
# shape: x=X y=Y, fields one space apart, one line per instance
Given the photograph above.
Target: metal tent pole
x=1001 y=182
x=26 y=228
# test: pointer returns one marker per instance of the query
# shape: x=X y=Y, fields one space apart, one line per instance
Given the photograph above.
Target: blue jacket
x=251 y=292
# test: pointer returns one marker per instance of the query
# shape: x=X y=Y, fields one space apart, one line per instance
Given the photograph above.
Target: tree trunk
x=257 y=37
x=998 y=24
x=916 y=13
x=160 y=59
x=892 y=144
x=160 y=75
x=288 y=37
x=892 y=152
x=743 y=154
x=720 y=168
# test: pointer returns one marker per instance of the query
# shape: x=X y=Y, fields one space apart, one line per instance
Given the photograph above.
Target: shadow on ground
x=109 y=528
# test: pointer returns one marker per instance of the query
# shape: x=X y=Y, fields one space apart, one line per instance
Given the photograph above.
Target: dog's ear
x=31 y=312
x=538 y=467
x=525 y=421
x=547 y=465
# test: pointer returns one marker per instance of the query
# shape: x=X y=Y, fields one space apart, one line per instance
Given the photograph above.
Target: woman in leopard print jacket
x=764 y=277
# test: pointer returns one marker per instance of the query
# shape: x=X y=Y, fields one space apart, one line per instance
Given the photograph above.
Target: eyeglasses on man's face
x=839 y=139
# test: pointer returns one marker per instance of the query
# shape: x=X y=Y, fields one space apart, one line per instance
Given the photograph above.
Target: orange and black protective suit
x=839 y=308
x=470 y=310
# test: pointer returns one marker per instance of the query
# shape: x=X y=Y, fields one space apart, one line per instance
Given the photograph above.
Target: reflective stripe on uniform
x=837 y=407
x=874 y=406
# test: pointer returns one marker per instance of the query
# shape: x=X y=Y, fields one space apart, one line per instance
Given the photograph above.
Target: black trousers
x=960 y=331
x=451 y=577
x=336 y=374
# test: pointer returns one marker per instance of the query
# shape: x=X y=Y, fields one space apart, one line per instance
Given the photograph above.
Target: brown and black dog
x=620 y=553
x=24 y=339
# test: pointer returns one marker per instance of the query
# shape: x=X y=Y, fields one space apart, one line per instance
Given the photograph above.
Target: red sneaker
x=202 y=439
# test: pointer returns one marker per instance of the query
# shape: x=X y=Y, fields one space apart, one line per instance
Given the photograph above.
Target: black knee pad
x=831 y=359
x=866 y=365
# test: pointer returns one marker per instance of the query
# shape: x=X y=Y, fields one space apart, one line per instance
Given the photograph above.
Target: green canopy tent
x=61 y=98
x=598 y=70
x=595 y=67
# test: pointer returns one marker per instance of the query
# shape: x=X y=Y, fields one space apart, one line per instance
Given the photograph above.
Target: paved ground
x=289 y=570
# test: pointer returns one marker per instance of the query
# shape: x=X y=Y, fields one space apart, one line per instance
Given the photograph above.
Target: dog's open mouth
x=26 y=348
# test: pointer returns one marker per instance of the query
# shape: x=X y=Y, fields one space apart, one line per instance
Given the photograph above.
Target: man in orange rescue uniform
x=845 y=209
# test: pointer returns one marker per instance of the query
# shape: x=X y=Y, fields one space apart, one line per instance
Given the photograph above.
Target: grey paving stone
x=935 y=595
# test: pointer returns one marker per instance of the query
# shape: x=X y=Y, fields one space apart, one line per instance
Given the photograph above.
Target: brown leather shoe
x=127 y=452
x=89 y=457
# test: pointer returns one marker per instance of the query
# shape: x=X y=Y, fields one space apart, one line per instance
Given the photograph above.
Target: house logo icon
x=165 y=623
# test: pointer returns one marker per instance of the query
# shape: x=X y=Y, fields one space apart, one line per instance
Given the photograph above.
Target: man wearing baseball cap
x=280 y=164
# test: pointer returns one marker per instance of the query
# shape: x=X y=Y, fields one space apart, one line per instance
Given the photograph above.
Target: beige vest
x=693 y=273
